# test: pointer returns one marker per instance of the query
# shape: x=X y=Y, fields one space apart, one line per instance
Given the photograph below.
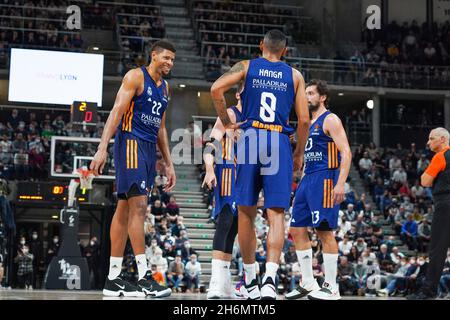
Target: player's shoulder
x=134 y=75
x=241 y=65
x=332 y=119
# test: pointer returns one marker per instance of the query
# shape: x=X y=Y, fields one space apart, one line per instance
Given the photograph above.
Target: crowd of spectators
x=393 y=178
x=228 y=32
x=36 y=24
x=138 y=27
x=408 y=56
x=25 y=143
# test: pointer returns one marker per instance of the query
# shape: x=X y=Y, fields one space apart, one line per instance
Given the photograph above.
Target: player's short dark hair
x=322 y=88
x=275 y=40
x=160 y=45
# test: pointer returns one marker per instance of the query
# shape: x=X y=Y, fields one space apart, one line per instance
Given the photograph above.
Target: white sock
x=141 y=262
x=250 y=272
x=271 y=271
x=330 y=268
x=305 y=260
x=115 y=267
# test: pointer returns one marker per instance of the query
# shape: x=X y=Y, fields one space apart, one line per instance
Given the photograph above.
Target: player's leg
x=144 y=175
x=275 y=241
x=301 y=220
x=330 y=289
x=115 y=286
x=276 y=170
x=137 y=208
x=325 y=214
x=226 y=229
x=119 y=236
x=247 y=244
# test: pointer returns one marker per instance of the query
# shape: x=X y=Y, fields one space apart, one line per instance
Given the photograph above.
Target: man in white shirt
x=417 y=191
x=400 y=175
x=396 y=255
x=345 y=245
x=394 y=164
x=193 y=270
x=365 y=163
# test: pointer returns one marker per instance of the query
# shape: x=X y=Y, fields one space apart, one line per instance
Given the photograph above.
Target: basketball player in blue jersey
x=221 y=177
x=271 y=89
x=138 y=121
x=321 y=190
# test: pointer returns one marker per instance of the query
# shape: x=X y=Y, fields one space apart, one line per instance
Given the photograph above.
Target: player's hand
x=292 y=138
x=171 y=177
x=210 y=179
x=99 y=161
x=235 y=126
x=338 y=194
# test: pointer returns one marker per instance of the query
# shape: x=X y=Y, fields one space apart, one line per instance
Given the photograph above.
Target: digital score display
x=47 y=192
x=83 y=113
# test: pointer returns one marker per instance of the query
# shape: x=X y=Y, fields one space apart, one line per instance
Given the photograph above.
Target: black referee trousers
x=440 y=241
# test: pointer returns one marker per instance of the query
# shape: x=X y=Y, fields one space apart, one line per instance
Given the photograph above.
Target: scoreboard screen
x=83 y=113
x=48 y=192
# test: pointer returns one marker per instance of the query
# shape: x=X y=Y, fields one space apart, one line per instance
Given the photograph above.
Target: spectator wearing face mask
x=193 y=270
x=360 y=276
x=157 y=275
x=417 y=278
x=175 y=274
x=150 y=251
x=179 y=242
x=159 y=261
x=24 y=260
x=345 y=246
x=92 y=254
x=36 y=250
x=53 y=249
x=401 y=272
x=187 y=251
x=178 y=227
x=344 y=225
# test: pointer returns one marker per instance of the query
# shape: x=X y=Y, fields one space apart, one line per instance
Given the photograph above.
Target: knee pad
x=225 y=228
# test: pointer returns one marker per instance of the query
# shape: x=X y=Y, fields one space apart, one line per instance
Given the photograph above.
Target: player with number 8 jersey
x=264 y=153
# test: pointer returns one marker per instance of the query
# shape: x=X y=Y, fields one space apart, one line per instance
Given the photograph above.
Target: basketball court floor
x=16 y=294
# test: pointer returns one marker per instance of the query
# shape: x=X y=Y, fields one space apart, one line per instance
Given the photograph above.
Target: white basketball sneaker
x=268 y=290
x=303 y=290
x=227 y=286
x=214 y=291
x=253 y=291
x=325 y=293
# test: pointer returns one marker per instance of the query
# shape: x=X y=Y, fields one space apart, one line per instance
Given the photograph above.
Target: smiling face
x=163 y=60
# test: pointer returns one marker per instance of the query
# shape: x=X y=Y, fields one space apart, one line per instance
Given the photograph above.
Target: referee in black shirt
x=437 y=176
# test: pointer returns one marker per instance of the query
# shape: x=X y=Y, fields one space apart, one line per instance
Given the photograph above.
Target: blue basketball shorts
x=312 y=203
x=135 y=163
x=264 y=161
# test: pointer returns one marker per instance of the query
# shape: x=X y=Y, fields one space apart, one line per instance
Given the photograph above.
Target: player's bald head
x=274 y=41
x=441 y=133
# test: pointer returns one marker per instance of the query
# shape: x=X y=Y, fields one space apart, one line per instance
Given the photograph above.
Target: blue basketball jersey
x=321 y=153
x=144 y=115
x=225 y=171
x=268 y=96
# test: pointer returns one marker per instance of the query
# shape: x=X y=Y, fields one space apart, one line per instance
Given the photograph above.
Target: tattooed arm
x=222 y=85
